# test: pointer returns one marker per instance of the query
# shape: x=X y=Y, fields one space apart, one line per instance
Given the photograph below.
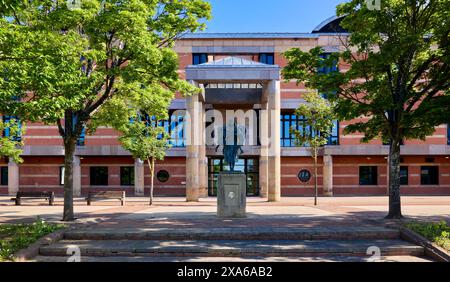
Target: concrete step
x=232 y=248
x=259 y=233
x=232 y=259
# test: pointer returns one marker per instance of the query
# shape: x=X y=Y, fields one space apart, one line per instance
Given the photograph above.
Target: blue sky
x=269 y=15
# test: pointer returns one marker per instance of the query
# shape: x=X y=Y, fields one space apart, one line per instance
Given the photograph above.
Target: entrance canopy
x=232 y=69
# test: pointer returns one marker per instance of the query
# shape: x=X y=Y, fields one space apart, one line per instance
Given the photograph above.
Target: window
x=99 y=176
x=6 y=132
x=81 y=139
x=4 y=175
x=429 y=175
x=61 y=175
x=404 y=175
x=448 y=134
x=199 y=58
x=291 y=122
x=127 y=176
x=326 y=68
x=333 y=139
x=163 y=176
x=174 y=127
x=368 y=175
x=267 y=58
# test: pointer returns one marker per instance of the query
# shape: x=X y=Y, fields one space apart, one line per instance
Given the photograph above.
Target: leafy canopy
x=318 y=117
x=397 y=84
x=64 y=61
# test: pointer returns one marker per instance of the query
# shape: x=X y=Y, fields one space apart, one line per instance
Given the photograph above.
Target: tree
x=146 y=141
x=317 y=124
x=68 y=61
x=399 y=77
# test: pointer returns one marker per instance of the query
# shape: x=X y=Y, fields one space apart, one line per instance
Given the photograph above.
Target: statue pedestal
x=231 y=195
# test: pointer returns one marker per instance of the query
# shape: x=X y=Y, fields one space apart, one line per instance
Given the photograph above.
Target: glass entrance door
x=249 y=166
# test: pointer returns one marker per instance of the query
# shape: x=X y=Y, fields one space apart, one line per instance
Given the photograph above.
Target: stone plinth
x=231 y=195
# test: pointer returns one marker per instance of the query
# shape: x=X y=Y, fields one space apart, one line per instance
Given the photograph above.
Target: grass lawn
x=438 y=233
x=14 y=237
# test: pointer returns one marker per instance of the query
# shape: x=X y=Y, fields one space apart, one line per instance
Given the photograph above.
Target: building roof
x=330 y=25
x=255 y=35
x=233 y=62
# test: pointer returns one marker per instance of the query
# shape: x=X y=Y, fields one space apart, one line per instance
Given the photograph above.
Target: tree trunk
x=151 y=165
x=316 y=193
x=69 y=147
x=395 y=210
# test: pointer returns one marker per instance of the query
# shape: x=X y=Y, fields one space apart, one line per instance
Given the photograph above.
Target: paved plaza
x=176 y=211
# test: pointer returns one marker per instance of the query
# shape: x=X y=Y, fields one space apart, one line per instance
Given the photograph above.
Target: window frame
x=92 y=178
x=199 y=58
x=431 y=183
x=372 y=176
x=404 y=183
x=123 y=173
x=62 y=170
x=294 y=120
x=4 y=177
x=264 y=58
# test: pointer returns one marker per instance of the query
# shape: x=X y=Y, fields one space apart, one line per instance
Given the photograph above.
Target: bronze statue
x=232 y=148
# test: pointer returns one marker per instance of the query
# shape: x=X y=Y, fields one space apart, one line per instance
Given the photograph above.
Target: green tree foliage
x=10 y=145
x=318 y=115
x=69 y=61
x=399 y=76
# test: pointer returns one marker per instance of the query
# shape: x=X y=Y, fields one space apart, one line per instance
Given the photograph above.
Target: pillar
x=203 y=161
x=139 y=177
x=13 y=177
x=327 y=175
x=192 y=149
x=274 y=166
x=76 y=176
x=264 y=154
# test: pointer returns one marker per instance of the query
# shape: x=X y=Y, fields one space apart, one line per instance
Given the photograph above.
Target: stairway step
x=232 y=259
x=335 y=233
x=232 y=248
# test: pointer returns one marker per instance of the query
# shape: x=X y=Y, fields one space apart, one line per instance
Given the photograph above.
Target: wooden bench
x=96 y=195
x=50 y=196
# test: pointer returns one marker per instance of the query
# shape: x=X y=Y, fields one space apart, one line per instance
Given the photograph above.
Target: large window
x=429 y=175
x=99 y=176
x=290 y=122
x=199 y=58
x=368 y=175
x=267 y=58
x=127 y=176
x=4 y=175
x=404 y=175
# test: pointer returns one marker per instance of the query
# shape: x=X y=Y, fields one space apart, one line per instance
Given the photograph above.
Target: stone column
x=264 y=154
x=274 y=101
x=327 y=175
x=192 y=149
x=139 y=177
x=76 y=176
x=203 y=161
x=13 y=177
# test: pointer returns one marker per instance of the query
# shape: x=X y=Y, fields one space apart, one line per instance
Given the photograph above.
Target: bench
x=50 y=196
x=102 y=195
